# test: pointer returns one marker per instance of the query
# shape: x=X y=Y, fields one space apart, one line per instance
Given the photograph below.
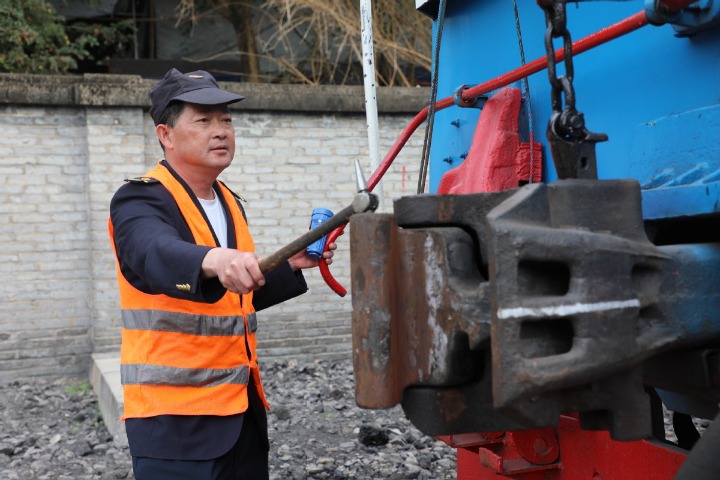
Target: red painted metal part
x=497 y=159
x=562 y=453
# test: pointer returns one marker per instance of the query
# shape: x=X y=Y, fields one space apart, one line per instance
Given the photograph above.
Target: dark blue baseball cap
x=195 y=87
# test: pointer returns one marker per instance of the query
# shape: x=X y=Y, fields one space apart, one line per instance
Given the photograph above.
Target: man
x=190 y=285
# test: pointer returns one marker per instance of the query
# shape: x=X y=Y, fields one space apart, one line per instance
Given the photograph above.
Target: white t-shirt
x=216 y=215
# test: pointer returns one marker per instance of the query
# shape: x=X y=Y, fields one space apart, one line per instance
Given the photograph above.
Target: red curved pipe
x=327 y=276
x=623 y=27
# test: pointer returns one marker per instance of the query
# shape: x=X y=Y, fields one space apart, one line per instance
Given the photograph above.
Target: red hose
x=325 y=271
x=600 y=37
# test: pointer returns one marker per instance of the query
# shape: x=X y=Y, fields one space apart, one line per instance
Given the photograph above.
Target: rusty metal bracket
x=421 y=312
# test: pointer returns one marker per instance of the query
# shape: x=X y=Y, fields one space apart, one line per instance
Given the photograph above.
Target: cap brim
x=209 y=96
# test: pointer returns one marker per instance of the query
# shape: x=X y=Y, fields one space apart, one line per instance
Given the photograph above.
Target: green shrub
x=35 y=39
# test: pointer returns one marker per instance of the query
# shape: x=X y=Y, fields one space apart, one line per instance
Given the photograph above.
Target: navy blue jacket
x=156 y=252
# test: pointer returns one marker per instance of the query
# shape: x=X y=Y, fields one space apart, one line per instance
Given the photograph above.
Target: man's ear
x=163 y=133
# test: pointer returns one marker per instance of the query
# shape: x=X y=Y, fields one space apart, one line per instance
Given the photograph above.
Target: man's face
x=203 y=138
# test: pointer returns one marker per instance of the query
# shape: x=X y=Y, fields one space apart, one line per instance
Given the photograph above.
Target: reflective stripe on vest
x=183 y=377
x=183 y=357
x=188 y=323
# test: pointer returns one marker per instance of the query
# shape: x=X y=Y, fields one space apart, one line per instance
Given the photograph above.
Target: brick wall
x=61 y=164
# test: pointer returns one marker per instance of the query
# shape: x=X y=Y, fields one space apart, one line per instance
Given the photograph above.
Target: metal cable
x=526 y=93
x=425 y=159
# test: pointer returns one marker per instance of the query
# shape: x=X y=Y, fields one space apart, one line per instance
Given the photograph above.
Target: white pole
x=371 y=111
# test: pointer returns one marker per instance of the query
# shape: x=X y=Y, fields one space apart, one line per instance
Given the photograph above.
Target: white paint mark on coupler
x=566 y=310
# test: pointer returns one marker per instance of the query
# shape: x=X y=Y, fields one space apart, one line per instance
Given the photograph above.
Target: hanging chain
x=571 y=122
x=572 y=145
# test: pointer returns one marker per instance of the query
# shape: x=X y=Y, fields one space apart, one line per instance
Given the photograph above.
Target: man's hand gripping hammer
x=364 y=201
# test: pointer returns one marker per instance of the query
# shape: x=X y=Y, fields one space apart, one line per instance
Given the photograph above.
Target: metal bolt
x=540 y=446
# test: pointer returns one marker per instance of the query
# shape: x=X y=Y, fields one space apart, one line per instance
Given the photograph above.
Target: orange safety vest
x=183 y=357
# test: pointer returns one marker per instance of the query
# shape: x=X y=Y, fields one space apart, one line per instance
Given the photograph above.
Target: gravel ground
x=52 y=429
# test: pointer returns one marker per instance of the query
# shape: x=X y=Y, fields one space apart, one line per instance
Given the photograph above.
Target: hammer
x=364 y=201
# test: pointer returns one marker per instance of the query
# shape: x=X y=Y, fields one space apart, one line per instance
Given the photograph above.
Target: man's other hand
x=302 y=260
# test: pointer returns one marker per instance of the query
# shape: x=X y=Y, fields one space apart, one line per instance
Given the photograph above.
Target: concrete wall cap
x=132 y=91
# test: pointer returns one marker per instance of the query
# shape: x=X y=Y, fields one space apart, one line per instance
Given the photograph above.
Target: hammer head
x=364 y=202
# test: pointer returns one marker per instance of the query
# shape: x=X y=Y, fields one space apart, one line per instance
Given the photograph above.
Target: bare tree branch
x=318 y=41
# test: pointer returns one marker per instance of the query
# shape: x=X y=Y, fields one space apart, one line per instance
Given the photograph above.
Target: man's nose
x=219 y=129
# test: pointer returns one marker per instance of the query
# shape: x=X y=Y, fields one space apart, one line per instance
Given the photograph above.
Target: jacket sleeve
x=281 y=284
x=153 y=254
